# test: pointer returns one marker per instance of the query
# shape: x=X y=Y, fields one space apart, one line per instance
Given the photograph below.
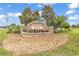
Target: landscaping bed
x=22 y=44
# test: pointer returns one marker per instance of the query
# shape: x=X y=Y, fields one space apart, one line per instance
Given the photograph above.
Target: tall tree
x=60 y=22
x=53 y=20
x=28 y=16
x=48 y=14
x=36 y=15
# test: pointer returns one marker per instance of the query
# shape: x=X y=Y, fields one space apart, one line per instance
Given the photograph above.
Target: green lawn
x=4 y=52
x=3 y=34
x=71 y=48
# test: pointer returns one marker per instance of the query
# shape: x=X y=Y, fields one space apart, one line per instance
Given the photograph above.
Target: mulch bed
x=33 y=43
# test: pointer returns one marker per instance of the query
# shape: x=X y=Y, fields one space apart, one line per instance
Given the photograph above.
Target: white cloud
x=11 y=16
x=39 y=5
x=73 y=5
x=14 y=14
x=70 y=11
x=2 y=16
x=17 y=14
x=74 y=17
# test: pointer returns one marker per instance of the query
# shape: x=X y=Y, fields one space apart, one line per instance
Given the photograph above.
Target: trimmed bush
x=64 y=30
x=14 y=28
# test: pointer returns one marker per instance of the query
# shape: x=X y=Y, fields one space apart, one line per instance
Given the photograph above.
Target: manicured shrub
x=64 y=30
x=14 y=28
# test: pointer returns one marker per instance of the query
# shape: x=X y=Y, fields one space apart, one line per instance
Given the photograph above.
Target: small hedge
x=14 y=29
x=64 y=30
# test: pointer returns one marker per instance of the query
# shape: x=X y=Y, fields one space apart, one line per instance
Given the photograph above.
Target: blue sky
x=11 y=11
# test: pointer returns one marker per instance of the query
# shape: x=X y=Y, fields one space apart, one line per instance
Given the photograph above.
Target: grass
x=71 y=48
x=3 y=34
x=4 y=52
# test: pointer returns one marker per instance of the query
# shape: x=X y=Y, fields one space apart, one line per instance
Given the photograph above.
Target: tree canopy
x=47 y=13
x=28 y=16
